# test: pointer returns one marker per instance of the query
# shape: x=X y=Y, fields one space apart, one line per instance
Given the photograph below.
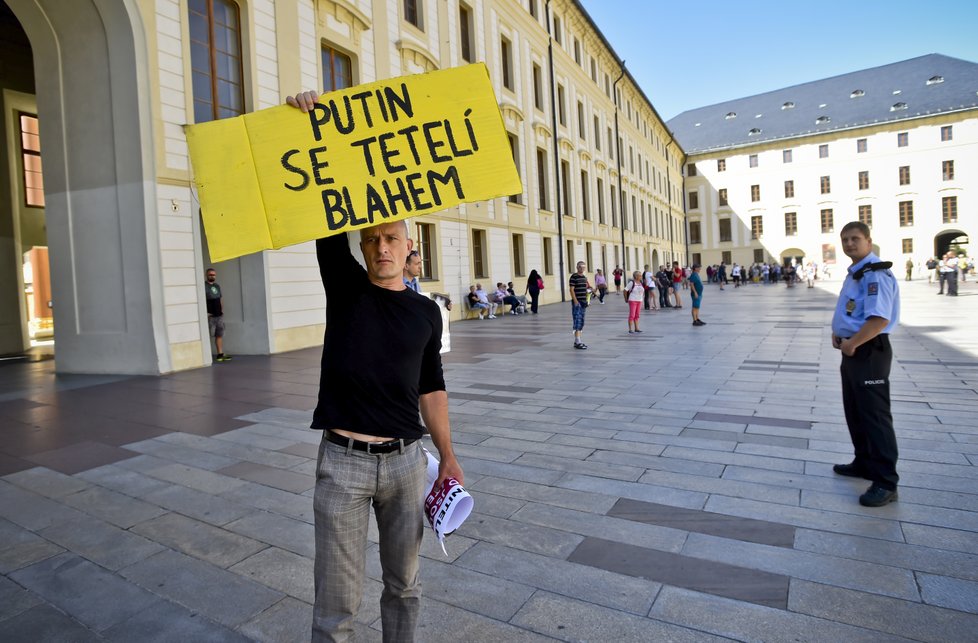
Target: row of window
x=480 y=254
x=634 y=117
x=558 y=33
x=949 y=214
x=646 y=173
x=467 y=46
x=828 y=253
x=862 y=146
x=825 y=185
x=216 y=59
x=644 y=217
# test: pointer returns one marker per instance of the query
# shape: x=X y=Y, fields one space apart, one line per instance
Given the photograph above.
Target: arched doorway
x=92 y=97
x=791 y=256
x=949 y=240
x=655 y=259
x=25 y=320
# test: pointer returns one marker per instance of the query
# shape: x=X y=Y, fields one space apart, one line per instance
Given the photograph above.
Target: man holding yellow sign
x=363 y=158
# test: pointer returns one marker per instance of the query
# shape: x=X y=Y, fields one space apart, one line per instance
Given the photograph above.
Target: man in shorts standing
x=579 y=288
x=677 y=282
x=696 y=294
x=215 y=314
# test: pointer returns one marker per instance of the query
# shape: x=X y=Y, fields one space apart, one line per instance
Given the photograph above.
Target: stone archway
x=945 y=240
x=93 y=103
x=792 y=254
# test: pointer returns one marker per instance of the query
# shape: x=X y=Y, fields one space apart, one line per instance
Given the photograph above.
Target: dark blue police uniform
x=870 y=290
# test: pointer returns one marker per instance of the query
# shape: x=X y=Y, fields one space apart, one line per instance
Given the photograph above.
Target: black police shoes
x=850 y=470
x=877 y=496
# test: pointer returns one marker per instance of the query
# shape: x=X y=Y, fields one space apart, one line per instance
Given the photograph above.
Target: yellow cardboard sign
x=378 y=152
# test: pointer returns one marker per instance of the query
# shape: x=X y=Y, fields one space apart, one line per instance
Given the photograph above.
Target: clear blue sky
x=689 y=55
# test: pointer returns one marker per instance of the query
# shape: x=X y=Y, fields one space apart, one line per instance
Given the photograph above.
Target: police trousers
x=866 y=400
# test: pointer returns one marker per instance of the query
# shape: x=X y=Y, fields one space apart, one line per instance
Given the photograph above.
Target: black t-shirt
x=381 y=350
x=212 y=295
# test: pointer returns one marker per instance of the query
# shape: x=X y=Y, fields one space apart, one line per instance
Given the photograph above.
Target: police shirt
x=875 y=294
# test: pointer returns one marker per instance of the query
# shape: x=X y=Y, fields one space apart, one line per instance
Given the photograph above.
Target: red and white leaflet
x=446 y=507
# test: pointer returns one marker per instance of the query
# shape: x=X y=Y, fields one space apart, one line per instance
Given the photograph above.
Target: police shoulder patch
x=872 y=289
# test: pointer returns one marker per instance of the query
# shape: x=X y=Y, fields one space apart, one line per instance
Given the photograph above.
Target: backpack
x=627 y=292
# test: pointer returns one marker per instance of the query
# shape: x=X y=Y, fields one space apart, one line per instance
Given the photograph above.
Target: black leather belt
x=371 y=448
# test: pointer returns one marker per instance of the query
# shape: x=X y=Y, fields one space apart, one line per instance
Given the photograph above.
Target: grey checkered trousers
x=347 y=483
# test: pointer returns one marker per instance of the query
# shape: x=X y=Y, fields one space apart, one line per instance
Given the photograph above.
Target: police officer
x=867 y=312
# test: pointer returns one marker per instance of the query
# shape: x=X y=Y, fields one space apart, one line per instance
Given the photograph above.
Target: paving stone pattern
x=674 y=485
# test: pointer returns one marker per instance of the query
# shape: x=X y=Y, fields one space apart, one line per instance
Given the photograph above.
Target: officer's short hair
x=858 y=225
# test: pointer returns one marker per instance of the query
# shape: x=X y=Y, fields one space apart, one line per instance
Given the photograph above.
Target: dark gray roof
x=931 y=84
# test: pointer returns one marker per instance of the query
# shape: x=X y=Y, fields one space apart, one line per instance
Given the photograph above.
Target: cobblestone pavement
x=674 y=485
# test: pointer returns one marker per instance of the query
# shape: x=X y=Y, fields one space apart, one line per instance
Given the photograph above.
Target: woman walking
x=601 y=284
x=634 y=295
x=534 y=284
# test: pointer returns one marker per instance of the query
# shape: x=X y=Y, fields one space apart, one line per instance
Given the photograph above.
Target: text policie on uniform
x=399 y=152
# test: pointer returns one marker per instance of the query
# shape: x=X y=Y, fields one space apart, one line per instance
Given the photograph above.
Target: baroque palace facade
x=774 y=177
x=100 y=91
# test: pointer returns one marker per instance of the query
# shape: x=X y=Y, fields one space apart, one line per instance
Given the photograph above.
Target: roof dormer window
x=821 y=120
x=730 y=115
x=754 y=131
x=896 y=107
x=934 y=80
x=788 y=105
x=857 y=93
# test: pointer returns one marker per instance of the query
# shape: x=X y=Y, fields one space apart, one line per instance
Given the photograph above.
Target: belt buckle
x=382 y=447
